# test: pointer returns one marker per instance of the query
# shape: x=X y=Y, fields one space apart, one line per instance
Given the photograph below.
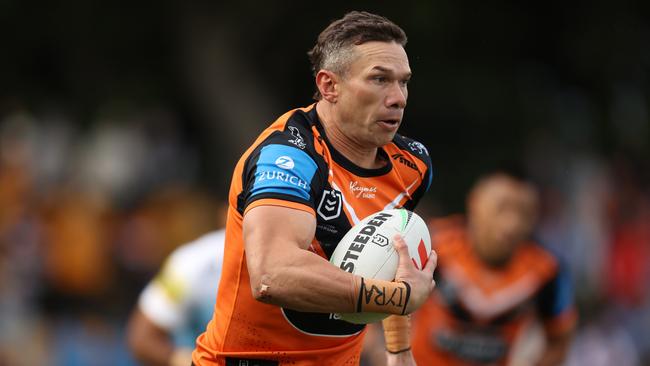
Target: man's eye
x=380 y=79
x=404 y=82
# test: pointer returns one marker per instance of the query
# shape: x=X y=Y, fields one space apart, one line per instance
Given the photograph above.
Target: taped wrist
x=381 y=296
x=397 y=332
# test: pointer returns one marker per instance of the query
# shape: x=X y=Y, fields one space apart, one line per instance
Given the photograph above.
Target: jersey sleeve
x=281 y=173
x=555 y=303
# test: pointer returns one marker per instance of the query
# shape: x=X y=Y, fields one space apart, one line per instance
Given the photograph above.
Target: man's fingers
x=401 y=248
x=403 y=251
x=398 y=240
x=400 y=245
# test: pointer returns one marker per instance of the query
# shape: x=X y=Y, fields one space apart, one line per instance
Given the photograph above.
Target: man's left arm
x=397 y=334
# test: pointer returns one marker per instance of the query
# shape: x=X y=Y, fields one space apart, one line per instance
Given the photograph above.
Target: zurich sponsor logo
x=284 y=162
x=283 y=177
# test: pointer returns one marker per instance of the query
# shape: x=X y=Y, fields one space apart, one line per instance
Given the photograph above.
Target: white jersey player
x=175 y=306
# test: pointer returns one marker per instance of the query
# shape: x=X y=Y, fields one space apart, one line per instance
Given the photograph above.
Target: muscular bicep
x=271 y=226
x=284 y=272
x=272 y=234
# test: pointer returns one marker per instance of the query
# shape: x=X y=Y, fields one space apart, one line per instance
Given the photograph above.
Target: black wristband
x=400 y=351
x=361 y=288
x=408 y=295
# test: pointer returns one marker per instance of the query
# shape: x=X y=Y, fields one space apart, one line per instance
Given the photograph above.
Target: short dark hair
x=331 y=50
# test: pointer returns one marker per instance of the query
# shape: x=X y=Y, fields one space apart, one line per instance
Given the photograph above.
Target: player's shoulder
x=289 y=144
x=412 y=148
x=292 y=130
x=411 y=156
x=283 y=163
x=535 y=256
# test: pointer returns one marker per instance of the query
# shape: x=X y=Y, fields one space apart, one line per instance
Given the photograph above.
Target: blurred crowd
x=87 y=215
x=89 y=212
x=597 y=218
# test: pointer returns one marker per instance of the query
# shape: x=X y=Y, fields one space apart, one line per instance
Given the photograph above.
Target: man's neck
x=362 y=156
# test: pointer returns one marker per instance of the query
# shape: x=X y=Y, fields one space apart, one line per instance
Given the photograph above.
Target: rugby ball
x=367 y=250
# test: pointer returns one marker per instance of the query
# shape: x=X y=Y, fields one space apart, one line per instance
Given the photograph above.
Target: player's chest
x=348 y=198
x=361 y=196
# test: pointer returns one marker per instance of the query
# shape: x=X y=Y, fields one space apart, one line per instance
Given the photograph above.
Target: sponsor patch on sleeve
x=284 y=170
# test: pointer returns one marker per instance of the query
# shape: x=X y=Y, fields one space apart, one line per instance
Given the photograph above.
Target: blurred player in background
x=175 y=306
x=492 y=281
x=309 y=177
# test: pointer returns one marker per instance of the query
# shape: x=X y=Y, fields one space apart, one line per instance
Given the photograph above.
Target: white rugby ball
x=367 y=250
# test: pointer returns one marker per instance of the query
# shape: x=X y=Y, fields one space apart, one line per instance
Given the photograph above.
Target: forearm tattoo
x=383 y=296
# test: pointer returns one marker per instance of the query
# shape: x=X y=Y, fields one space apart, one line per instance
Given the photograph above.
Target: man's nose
x=397 y=96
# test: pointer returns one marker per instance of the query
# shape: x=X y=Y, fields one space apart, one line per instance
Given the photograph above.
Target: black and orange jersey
x=292 y=164
x=476 y=312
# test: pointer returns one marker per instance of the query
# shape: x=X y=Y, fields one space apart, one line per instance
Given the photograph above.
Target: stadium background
x=120 y=123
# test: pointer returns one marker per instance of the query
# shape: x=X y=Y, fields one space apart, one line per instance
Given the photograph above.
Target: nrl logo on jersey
x=330 y=204
x=297 y=140
x=360 y=191
x=416 y=146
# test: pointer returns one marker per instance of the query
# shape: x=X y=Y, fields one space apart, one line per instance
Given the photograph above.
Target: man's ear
x=327 y=82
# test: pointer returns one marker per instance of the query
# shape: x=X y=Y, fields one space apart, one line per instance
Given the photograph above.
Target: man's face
x=501 y=215
x=372 y=93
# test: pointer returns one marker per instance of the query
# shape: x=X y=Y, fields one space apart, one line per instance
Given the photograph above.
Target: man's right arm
x=284 y=272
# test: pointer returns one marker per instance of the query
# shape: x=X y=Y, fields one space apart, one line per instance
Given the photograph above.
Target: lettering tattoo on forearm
x=379 y=295
x=382 y=295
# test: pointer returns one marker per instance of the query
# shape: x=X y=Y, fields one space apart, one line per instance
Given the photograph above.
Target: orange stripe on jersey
x=316 y=248
x=280 y=203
